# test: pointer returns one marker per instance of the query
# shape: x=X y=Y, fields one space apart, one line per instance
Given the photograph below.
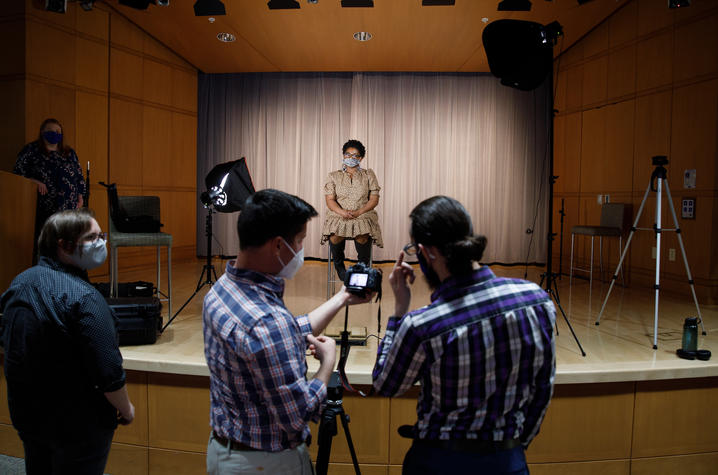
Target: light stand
x=658 y=178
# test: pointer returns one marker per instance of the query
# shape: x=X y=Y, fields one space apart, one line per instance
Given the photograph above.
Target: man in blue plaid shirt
x=482 y=350
x=255 y=348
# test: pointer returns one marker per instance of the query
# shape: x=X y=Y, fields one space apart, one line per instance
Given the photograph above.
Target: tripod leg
x=656 y=286
x=623 y=254
x=345 y=423
x=327 y=430
x=583 y=353
x=685 y=258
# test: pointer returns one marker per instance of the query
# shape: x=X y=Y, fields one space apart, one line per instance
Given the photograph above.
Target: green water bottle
x=690 y=334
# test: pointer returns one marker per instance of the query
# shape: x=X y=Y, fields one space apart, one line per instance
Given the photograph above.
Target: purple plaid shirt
x=255 y=351
x=483 y=351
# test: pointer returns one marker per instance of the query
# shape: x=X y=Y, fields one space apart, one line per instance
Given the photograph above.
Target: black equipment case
x=139 y=319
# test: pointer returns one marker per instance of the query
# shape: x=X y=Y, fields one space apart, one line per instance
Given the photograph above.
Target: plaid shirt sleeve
x=399 y=359
x=279 y=366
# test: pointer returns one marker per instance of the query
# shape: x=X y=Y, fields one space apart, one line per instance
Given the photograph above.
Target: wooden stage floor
x=620 y=349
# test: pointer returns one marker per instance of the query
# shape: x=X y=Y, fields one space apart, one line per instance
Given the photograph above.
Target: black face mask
x=432 y=278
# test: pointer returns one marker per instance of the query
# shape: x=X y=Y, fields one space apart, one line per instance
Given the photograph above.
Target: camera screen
x=358 y=280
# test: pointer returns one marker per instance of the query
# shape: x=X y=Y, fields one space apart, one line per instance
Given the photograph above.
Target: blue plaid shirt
x=483 y=351
x=255 y=350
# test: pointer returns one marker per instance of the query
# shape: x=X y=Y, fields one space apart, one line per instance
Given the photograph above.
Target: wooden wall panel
x=125 y=140
x=595 y=80
x=696 y=48
x=403 y=412
x=13 y=33
x=92 y=64
x=124 y=33
x=654 y=61
x=12 y=123
x=653 y=16
x=137 y=432
x=698 y=464
x=157 y=82
x=152 y=47
x=50 y=62
x=126 y=73
x=596 y=42
x=623 y=24
x=43 y=100
x=95 y=23
x=157 y=161
x=593 y=150
x=178 y=406
x=675 y=417
x=127 y=460
x=35 y=9
x=615 y=170
x=622 y=72
x=176 y=462
x=183 y=148
x=179 y=215
x=184 y=90
x=574 y=92
x=653 y=135
x=603 y=467
x=10 y=442
x=348 y=469
x=585 y=423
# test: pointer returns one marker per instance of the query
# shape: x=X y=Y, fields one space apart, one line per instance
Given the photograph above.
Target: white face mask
x=291 y=267
x=351 y=162
x=93 y=254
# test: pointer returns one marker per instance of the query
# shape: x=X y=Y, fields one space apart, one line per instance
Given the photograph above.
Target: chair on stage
x=615 y=220
x=332 y=277
x=146 y=207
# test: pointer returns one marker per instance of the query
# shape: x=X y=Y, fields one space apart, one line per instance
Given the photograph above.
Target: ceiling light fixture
x=514 y=6
x=209 y=8
x=358 y=3
x=226 y=37
x=283 y=4
x=362 y=36
x=679 y=3
x=87 y=5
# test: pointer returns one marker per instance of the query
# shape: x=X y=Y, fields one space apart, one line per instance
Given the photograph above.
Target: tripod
x=328 y=426
x=658 y=179
x=208 y=267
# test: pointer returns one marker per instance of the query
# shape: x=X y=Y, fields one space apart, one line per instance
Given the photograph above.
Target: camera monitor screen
x=358 y=280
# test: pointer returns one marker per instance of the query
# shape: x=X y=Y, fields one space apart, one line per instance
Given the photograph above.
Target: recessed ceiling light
x=362 y=36
x=210 y=19
x=485 y=20
x=226 y=37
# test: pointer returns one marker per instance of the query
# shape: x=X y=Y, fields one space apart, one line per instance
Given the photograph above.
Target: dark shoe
x=363 y=251
x=338 y=258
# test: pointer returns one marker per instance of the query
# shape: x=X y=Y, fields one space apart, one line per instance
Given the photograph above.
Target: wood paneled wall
x=128 y=106
x=643 y=83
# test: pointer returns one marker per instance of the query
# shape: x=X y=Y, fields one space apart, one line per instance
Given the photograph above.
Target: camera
x=659 y=160
x=361 y=279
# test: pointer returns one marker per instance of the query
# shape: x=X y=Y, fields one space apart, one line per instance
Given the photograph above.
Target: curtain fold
x=461 y=135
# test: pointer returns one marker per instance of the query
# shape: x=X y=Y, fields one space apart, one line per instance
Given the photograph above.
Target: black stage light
x=431 y=3
x=679 y=3
x=514 y=6
x=57 y=6
x=520 y=53
x=138 y=4
x=87 y=4
x=358 y=3
x=283 y=4
x=209 y=8
x=228 y=186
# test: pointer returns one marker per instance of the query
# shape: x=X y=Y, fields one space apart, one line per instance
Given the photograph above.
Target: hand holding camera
x=362 y=280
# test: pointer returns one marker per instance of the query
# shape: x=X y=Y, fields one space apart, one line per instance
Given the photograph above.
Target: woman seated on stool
x=351 y=193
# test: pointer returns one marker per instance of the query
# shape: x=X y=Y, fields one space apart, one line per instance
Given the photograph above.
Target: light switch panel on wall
x=689 y=178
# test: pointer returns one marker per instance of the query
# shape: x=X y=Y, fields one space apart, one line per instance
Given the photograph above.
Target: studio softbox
x=228 y=186
x=520 y=52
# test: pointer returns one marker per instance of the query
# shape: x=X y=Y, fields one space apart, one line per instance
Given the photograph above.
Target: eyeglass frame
x=411 y=249
x=94 y=237
x=352 y=155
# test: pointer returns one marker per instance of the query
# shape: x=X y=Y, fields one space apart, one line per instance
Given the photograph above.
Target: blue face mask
x=351 y=162
x=52 y=137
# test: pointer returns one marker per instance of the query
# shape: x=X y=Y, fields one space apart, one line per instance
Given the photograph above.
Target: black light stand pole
x=208 y=267
x=561 y=213
x=550 y=278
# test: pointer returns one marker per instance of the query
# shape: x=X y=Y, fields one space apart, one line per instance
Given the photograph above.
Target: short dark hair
x=355 y=144
x=68 y=225
x=270 y=213
x=443 y=222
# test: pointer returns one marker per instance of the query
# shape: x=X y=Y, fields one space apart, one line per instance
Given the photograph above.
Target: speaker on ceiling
x=520 y=52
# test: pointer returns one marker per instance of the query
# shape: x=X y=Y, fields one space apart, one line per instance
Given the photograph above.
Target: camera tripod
x=328 y=426
x=656 y=182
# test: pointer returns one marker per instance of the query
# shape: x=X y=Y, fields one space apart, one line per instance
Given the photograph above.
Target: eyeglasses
x=411 y=249
x=94 y=237
x=352 y=155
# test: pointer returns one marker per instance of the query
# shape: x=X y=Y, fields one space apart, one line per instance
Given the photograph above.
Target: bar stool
x=614 y=220
x=141 y=206
x=332 y=277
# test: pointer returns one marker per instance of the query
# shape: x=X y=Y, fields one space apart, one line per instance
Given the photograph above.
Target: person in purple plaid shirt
x=255 y=348
x=482 y=350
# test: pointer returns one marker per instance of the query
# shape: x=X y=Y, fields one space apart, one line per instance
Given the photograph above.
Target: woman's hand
x=41 y=187
x=347 y=214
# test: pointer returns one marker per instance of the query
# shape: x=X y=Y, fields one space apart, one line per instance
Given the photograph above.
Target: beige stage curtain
x=461 y=135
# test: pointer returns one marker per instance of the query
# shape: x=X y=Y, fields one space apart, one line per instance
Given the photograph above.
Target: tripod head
x=660 y=171
x=335 y=390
